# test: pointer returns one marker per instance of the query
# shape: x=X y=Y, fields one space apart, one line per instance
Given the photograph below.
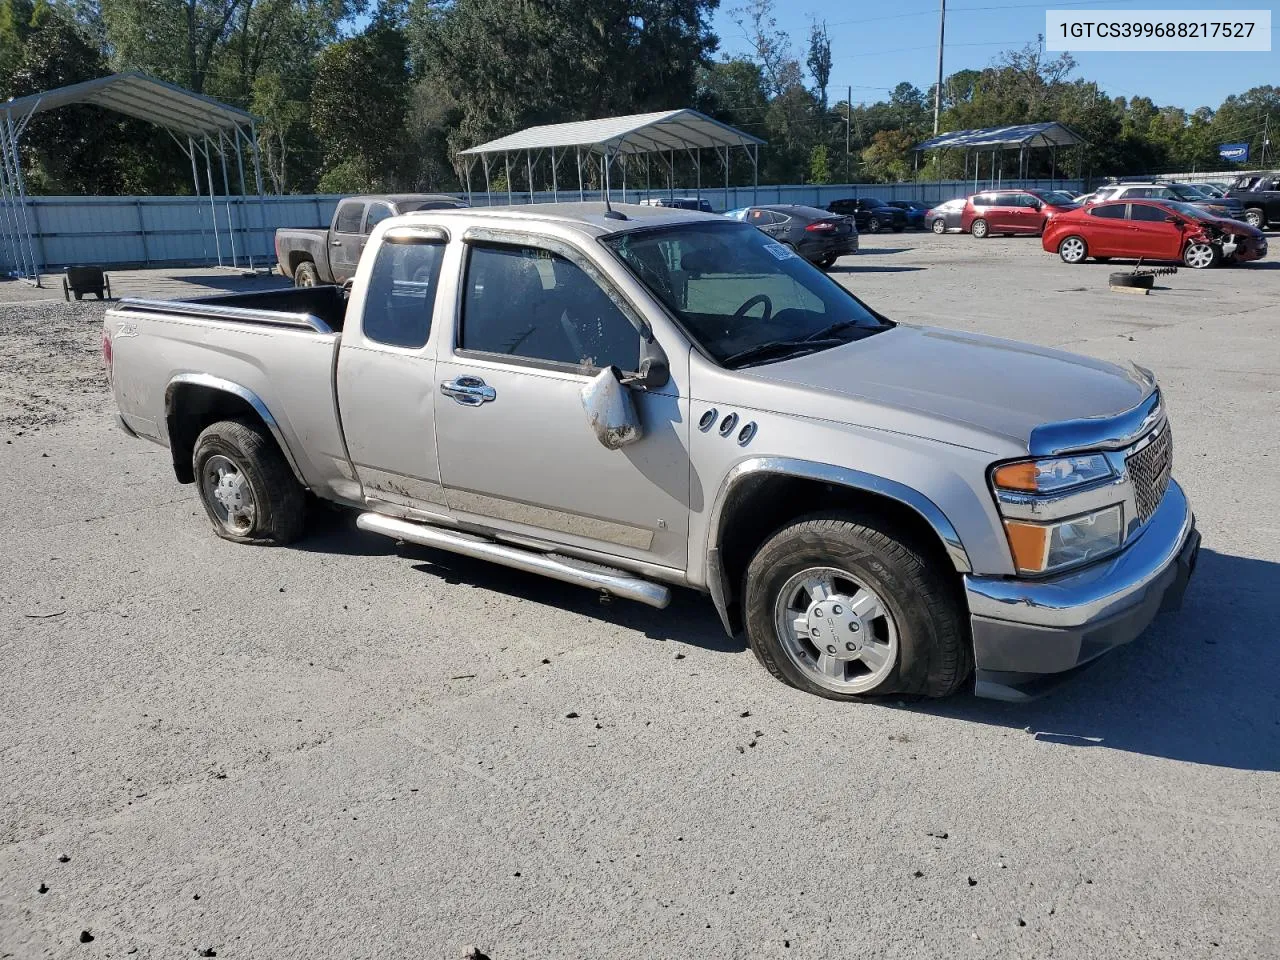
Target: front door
x=386 y=377
x=517 y=453
x=1152 y=235
x=346 y=241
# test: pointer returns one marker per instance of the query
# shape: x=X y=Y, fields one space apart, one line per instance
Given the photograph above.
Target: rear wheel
x=1200 y=256
x=827 y=262
x=899 y=227
x=939 y=226
x=1255 y=218
x=873 y=225
x=980 y=229
x=246 y=486
x=1073 y=249
x=844 y=606
x=305 y=274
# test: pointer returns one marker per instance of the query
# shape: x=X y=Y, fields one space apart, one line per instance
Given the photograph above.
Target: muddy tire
x=246 y=485
x=844 y=606
x=305 y=274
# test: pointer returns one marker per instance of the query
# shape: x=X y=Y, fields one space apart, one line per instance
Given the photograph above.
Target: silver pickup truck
x=640 y=398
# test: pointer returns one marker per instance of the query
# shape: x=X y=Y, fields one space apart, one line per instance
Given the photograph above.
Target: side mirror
x=654 y=369
x=611 y=411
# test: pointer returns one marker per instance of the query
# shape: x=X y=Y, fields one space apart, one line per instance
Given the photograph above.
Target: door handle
x=469 y=391
x=335 y=243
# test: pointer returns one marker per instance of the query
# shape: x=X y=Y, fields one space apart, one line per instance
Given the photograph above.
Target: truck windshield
x=743 y=296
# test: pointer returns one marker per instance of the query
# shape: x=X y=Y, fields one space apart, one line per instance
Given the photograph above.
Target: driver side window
x=532 y=303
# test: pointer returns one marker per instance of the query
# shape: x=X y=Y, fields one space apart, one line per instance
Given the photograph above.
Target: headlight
x=1052 y=475
x=1044 y=547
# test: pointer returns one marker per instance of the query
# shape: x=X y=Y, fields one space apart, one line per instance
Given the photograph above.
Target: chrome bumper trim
x=1096 y=592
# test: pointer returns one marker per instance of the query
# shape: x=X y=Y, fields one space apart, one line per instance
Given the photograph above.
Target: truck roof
x=589 y=217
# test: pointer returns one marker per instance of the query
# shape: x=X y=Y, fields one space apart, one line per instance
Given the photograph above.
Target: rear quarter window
x=1108 y=211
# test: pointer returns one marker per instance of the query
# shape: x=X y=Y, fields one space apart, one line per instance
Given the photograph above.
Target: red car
x=1013 y=211
x=1152 y=230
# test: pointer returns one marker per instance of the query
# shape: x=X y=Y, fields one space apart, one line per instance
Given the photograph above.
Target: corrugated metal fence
x=173 y=231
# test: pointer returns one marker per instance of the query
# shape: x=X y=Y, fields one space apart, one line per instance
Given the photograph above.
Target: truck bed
x=323 y=309
x=275 y=350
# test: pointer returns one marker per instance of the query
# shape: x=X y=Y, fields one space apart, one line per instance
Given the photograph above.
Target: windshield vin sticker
x=779 y=251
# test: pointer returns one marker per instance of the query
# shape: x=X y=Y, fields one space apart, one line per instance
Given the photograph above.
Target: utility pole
x=1266 y=138
x=937 y=91
x=849 y=117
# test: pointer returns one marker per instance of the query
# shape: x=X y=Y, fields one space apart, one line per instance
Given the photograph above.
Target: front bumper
x=1029 y=634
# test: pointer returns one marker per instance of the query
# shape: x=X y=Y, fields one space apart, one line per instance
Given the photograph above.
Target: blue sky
x=876 y=45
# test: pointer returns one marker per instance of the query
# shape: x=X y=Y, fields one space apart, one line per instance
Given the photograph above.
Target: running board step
x=614 y=582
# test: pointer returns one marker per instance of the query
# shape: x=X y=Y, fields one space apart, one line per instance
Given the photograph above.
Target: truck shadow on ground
x=689 y=619
x=1202 y=685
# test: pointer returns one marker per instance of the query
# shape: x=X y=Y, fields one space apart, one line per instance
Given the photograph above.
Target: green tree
x=819 y=166
x=819 y=60
x=359 y=105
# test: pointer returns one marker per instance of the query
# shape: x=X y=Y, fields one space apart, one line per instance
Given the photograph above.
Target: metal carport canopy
x=634 y=134
x=615 y=139
x=139 y=95
x=208 y=126
x=1051 y=134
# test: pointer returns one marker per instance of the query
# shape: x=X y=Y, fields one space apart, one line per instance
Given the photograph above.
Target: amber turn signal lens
x=1016 y=476
x=1029 y=543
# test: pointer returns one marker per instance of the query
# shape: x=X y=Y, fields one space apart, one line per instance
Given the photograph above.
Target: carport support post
x=213 y=207
x=18 y=186
x=555 y=184
x=244 y=192
x=528 y=166
x=267 y=245
x=195 y=182
x=755 y=172
x=506 y=163
x=226 y=200
x=697 y=166
x=10 y=212
x=488 y=191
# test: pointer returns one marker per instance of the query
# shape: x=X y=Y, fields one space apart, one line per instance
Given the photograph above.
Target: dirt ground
x=341 y=750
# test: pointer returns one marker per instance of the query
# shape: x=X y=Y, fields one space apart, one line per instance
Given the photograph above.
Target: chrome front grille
x=1149 y=470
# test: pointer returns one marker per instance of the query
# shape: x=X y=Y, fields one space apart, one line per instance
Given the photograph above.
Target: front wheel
x=939 y=226
x=844 y=607
x=1255 y=218
x=827 y=262
x=873 y=225
x=1200 y=256
x=1073 y=250
x=980 y=229
x=246 y=486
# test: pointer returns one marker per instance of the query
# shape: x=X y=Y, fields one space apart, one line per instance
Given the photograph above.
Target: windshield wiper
x=831 y=329
x=795 y=345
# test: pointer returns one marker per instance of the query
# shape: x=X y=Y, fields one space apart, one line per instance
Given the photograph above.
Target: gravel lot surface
x=341 y=751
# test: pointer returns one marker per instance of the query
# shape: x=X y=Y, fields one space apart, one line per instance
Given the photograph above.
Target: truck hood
x=994 y=386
